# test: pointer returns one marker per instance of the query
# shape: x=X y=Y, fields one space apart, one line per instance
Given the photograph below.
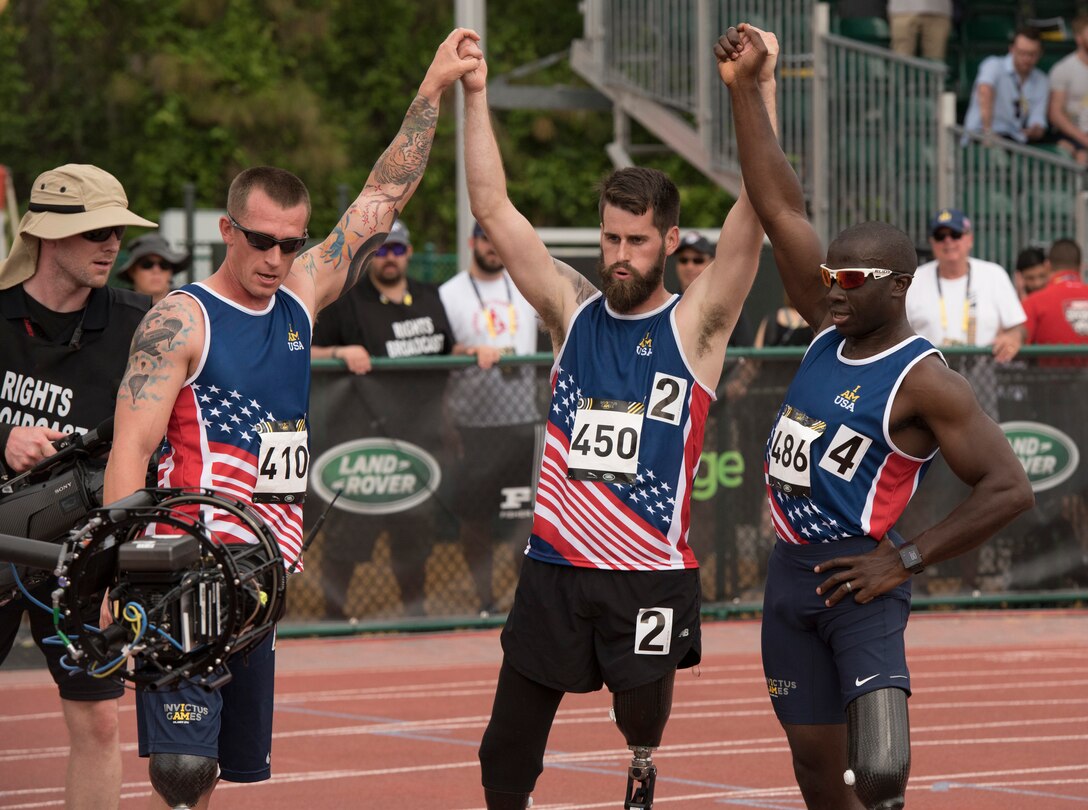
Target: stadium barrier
x=389 y=442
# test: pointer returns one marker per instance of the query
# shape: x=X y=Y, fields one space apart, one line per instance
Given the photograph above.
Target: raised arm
x=554 y=289
x=324 y=272
x=163 y=354
x=716 y=297
x=774 y=189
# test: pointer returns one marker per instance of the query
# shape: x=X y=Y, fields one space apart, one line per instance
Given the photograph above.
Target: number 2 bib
x=282 y=462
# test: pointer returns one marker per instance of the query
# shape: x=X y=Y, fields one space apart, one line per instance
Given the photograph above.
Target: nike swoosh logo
x=863 y=681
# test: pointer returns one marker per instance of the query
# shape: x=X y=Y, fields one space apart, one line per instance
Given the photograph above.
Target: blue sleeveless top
x=253 y=378
x=831 y=467
x=624 y=436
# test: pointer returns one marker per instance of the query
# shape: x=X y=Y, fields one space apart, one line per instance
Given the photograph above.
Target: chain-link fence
x=436 y=498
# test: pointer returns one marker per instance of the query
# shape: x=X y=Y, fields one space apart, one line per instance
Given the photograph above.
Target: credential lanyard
x=969 y=338
x=511 y=311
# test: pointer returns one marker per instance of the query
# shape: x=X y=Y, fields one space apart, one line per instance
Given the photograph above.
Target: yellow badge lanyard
x=968 y=322
x=511 y=311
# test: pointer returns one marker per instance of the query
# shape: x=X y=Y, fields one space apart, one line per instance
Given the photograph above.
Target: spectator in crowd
x=1032 y=271
x=1009 y=99
x=957 y=300
x=64 y=329
x=920 y=27
x=692 y=257
x=1058 y=313
x=493 y=411
x=151 y=265
x=1069 y=95
x=387 y=314
x=785 y=327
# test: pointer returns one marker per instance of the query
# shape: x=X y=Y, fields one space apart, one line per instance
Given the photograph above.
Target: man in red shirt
x=1058 y=313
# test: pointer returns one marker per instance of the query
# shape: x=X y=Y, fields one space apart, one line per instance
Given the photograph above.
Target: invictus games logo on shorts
x=184 y=713
x=376 y=476
x=1048 y=455
x=776 y=687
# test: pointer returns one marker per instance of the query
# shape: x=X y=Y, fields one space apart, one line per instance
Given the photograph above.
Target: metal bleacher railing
x=872 y=134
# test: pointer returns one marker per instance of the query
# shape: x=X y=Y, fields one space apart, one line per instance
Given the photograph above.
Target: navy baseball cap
x=696 y=241
x=951 y=218
x=477 y=230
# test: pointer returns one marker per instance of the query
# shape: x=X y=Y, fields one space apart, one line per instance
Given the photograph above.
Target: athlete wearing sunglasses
x=263 y=242
x=850 y=278
x=867 y=411
x=222 y=369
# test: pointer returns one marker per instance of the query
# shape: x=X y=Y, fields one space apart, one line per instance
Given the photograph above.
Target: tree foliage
x=168 y=92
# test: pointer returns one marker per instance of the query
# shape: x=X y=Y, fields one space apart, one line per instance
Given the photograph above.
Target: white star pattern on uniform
x=800 y=509
x=229 y=420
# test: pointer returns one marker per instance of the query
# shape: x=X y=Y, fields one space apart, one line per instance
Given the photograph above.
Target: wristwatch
x=912 y=558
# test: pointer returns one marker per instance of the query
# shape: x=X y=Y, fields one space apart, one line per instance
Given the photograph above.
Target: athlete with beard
x=493 y=412
x=609 y=592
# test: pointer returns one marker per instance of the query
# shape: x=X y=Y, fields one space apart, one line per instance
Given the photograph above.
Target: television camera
x=182 y=600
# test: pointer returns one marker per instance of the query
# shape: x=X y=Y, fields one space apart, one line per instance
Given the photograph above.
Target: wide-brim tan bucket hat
x=65 y=201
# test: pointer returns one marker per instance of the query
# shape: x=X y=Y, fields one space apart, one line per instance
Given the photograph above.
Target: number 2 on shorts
x=653 y=631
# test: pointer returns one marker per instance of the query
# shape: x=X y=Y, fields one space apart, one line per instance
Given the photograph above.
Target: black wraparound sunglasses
x=262 y=241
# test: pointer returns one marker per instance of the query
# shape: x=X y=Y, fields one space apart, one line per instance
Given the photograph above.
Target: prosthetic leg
x=879 y=748
x=641 y=714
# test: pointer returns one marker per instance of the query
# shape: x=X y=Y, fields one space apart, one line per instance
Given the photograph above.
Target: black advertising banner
x=436 y=490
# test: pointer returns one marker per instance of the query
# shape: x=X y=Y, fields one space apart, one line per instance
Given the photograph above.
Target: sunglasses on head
x=940 y=236
x=396 y=249
x=147 y=264
x=102 y=234
x=849 y=278
x=262 y=241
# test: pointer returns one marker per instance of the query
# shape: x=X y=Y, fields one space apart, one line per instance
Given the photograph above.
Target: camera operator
x=66 y=337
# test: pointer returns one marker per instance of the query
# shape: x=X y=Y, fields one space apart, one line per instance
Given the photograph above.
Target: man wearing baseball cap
x=66 y=336
x=959 y=300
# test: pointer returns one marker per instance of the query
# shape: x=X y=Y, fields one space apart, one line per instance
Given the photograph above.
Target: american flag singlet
x=624 y=437
x=239 y=424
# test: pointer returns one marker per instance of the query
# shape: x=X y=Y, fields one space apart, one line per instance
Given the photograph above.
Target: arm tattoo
x=403 y=162
x=583 y=288
x=393 y=179
x=163 y=328
x=552 y=317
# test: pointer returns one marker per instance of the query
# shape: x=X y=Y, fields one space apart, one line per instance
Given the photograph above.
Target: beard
x=623 y=295
x=491 y=268
x=388 y=272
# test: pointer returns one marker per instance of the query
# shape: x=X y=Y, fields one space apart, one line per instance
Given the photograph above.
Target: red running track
x=999 y=721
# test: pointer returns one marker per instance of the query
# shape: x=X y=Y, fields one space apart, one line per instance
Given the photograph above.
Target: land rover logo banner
x=378 y=440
